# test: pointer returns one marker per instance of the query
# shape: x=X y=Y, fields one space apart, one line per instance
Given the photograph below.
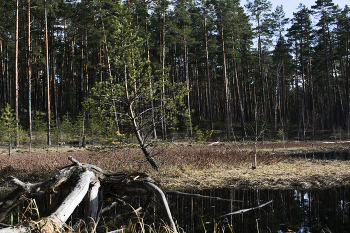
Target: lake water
x=290 y=210
x=326 y=210
x=331 y=155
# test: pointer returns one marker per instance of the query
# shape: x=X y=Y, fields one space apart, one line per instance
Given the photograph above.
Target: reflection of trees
x=313 y=210
x=296 y=210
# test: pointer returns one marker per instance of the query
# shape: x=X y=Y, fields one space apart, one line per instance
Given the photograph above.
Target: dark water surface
x=325 y=210
x=331 y=155
x=291 y=210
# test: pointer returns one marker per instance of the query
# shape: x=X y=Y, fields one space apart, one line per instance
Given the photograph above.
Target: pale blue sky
x=290 y=6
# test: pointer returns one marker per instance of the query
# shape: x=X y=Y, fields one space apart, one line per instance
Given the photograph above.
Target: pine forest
x=173 y=69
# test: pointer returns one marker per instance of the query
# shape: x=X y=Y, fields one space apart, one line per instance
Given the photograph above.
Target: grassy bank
x=289 y=173
x=187 y=166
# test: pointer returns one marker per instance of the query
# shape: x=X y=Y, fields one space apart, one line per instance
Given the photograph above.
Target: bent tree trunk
x=77 y=184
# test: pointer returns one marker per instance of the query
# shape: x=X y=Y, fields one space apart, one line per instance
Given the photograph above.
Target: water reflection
x=332 y=155
x=325 y=210
x=291 y=210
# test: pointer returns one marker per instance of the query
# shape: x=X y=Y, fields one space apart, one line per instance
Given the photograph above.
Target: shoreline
x=201 y=166
x=290 y=174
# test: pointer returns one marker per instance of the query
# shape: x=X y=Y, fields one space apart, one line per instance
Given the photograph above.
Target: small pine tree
x=67 y=128
x=130 y=103
x=9 y=125
x=39 y=129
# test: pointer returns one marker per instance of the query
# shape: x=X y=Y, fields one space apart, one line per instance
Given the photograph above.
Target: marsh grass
x=185 y=165
x=137 y=225
x=37 y=166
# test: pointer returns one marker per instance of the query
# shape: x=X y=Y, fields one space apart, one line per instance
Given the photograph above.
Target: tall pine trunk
x=163 y=67
x=47 y=79
x=29 y=82
x=53 y=74
x=261 y=73
x=334 y=68
x=210 y=112
x=328 y=78
x=347 y=80
x=188 y=87
x=16 y=71
x=240 y=98
x=226 y=83
x=276 y=93
x=150 y=80
x=105 y=47
x=2 y=73
x=304 y=106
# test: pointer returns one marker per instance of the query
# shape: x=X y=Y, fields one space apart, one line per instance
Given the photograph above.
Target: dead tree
x=72 y=185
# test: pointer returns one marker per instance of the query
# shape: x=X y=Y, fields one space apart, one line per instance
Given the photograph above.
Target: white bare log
x=28 y=189
x=17 y=229
x=118 y=231
x=94 y=200
x=69 y=204
x=162 y=198
x=214 y=144
x=94 y=207
x=74 y=184
x=246 y=210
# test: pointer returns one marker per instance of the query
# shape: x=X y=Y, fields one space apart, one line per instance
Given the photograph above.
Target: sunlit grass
x=184 y=166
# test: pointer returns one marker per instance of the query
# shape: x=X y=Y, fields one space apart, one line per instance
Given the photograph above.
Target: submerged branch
x=246 y=210
x=176 y=193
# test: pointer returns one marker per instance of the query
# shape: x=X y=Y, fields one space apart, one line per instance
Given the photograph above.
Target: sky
x=290 y=6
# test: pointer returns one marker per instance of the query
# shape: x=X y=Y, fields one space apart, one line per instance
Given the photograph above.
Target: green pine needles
x=9 y=126
x=135 y=99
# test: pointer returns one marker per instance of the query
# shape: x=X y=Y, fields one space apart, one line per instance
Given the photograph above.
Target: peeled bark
x=73 y=185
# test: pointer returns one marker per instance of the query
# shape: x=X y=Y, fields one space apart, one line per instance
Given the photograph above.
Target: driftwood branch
x=246 y=210
x=152 y=187
x=177 y=193
x=75 y=184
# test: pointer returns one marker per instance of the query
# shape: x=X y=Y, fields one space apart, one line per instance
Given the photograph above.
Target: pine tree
x=128 y=95
x=261 y=13
x=342 y=33
x=9 y=125
x=323 y=9
x=301 y=34
x=29 y=68
x=339 y=57
x=182 y=27
x=16 y=66
x=47 y=72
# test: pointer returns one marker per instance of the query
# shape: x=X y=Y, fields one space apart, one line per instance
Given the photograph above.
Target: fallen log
x=75 y=184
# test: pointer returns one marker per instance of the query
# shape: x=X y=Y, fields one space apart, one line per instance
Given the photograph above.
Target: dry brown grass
x=293 y=173
x=228 y=164
x=34 y=166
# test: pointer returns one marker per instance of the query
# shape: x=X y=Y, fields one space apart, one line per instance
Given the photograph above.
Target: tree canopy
x=134 y=60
